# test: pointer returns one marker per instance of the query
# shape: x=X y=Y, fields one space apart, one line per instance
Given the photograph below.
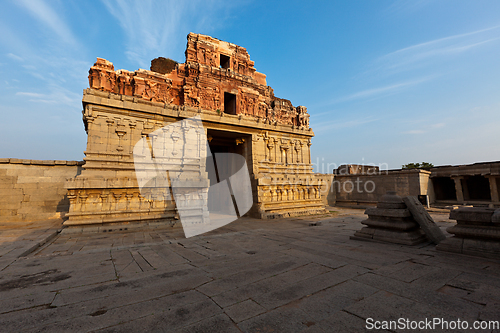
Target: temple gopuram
x=240 y=114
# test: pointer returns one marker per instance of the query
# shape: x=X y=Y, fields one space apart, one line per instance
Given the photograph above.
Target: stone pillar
x=90 y=129
x=465 y=189
x=458 y=188
x=493 y=189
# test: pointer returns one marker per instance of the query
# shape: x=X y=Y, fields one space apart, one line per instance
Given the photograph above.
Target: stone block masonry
x=475 y=184
x=217 y=83
x=32 y=190
x=363 y=189
x=391 y=222
x=476 y=233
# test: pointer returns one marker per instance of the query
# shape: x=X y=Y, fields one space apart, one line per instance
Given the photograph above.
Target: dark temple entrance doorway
x=226 y=142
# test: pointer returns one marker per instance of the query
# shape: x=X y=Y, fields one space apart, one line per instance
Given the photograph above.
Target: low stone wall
x=364 y=190
x=32 y=190
x=327 y=192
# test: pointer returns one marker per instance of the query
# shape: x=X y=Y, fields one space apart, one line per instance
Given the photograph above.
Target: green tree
x=423 y=165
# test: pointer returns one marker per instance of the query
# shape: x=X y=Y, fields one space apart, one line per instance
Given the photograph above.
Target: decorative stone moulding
x=477 y=232
x=182 y=85
x=391 y=222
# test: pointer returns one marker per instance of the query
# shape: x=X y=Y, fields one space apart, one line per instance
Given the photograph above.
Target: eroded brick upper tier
x=217 y=76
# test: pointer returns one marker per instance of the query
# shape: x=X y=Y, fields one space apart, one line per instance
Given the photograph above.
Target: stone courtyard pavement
x=288 y=275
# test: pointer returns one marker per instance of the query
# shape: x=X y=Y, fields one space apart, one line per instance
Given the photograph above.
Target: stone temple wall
x=240 y=114
x=475 y=184
x=204 y=81
x=366 y=189
x=33 y=190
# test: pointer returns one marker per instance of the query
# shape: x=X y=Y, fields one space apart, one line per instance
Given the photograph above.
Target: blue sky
x=385 y=82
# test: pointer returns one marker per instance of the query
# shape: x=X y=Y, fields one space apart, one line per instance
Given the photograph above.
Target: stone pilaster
x=493 y=189
x=459 y=189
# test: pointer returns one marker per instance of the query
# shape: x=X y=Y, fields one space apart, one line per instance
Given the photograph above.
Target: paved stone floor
x=289 y=275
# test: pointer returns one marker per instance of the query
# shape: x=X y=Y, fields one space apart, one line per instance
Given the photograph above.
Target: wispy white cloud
x=57 y=95
x=407 y=6
x=30 y=94
x=336 y=124
x=440 y=49
x=426 y=128
x=414 y=132
x=415 y=57
x=381 y=91
x=42 y=56
x=148 y=26
x=438 y=125
x=53 y=56
x=441 y=40
x=15 y=57
x=48 y=16
x=159 y=28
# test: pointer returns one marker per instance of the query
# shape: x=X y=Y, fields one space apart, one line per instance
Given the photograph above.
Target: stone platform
x=249 y=276
x=390 y=222
x=477 y=232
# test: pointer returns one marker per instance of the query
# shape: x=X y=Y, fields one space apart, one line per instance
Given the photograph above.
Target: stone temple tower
x=219 y=85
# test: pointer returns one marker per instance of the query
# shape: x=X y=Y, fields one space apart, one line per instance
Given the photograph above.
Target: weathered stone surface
x=432 y=231
x=393 y=225
x=398 y=282
x=367 y=188
x=244 y=310
x=472 y=214
x=363 y=185
x=481 y=247
x=469 y=184
x=356 y=169
x=476 y=233
x=35 y=190
x=452 y=244
x=163 y=65
x=391 y=205
x=209 y=58
x=401 y=225
x=240 y=114
x=398 y=237
x=495 y=218
x=394 y=212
